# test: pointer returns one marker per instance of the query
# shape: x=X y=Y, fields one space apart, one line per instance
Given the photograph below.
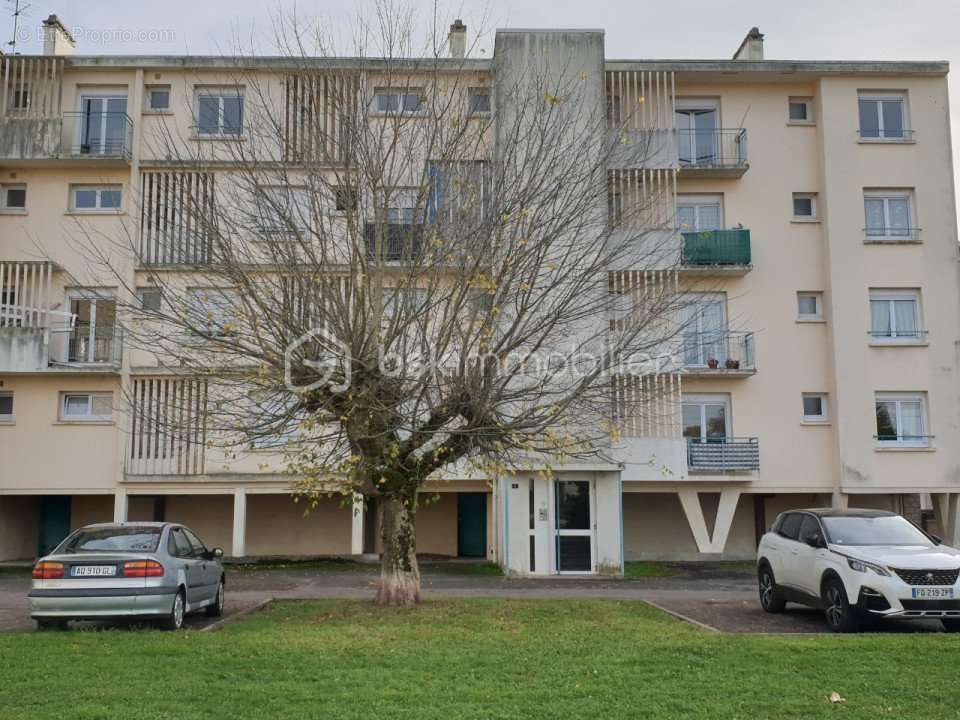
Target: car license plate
x=94 y=571
x=933 y=593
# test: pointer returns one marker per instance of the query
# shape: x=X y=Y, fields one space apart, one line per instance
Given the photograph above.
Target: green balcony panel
x=716 y=247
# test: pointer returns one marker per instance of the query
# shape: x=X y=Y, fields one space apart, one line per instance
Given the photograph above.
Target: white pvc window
x=402 y=206
x=883 y=116
x=800 y=110
x=86 y=407
x=13 y=197
x=408 y=100
x=805 y=206
x=158 y=98
x=810 y=306
x=888 y=215
x=895 y=314
x=6 y=407
x=901 y=420
x=213 y=311
x=699 y=214
x=814 y=407
x=95 y=198
x=219 y=113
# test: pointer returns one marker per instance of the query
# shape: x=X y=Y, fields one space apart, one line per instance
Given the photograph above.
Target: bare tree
x=396 y=269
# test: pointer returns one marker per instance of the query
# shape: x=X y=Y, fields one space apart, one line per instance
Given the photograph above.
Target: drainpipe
x=506 y=529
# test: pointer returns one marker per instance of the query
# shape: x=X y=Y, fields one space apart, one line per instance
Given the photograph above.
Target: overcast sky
x=805 y=30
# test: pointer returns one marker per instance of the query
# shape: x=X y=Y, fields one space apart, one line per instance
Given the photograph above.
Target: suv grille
x=928 y=577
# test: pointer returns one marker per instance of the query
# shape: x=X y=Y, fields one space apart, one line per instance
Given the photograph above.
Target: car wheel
x=216 y=609
x=51 y=624
x=771 y=599
x=174 y=621
x=951 y=625
x=841 y=617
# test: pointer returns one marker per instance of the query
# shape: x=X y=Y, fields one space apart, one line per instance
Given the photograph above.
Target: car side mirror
x=214 y=554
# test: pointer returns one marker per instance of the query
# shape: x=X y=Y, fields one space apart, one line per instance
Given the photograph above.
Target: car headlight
x=861 y=566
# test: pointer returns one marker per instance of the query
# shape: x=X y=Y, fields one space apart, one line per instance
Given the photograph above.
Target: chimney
x=457 y=39
x=57 y=40
x=752 y=46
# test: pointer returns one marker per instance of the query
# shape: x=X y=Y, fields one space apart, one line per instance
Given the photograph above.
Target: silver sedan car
x=156 y=571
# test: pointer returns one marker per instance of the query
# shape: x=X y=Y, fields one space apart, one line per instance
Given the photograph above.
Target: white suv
x=856 y=564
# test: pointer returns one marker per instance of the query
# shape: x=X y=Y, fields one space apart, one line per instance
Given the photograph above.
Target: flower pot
x=732 y=364
x=713 y=363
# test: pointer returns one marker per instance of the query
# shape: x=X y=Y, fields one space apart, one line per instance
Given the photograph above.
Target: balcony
x=719 y=354
x=712 y=153
x=102 y=347
x=723 y=455
x=399 y=241
x=100 y=139
x=716 y=252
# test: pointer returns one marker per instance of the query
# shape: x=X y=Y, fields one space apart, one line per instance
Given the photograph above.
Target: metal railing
x=715 y=149
x=723 y=454
x=398 y=241
x=709 y=248
x=97 y=134
x=102 y=346
x=718 y=350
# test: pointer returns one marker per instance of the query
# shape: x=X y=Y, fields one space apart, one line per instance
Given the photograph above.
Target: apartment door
x=574 y=525
x=706 y=417
x=54 y=523
x=472 y=525
x=103 y=124
x=92 y=339
x=697 y=136
x=703 y=322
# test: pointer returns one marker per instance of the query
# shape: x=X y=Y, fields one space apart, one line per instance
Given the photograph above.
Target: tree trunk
x=399 y=573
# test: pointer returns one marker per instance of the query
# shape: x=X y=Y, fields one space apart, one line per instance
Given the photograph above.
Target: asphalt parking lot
x=717 y=596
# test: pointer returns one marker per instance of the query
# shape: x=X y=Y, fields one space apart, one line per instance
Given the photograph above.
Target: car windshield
x=885 y=530
x=122 y=539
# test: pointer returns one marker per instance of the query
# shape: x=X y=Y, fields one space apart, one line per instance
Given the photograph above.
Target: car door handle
x=794 y=552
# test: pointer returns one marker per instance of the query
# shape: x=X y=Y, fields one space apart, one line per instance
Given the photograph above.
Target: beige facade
x=794 y=308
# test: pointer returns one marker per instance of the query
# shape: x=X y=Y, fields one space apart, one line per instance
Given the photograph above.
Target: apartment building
x=814 y=218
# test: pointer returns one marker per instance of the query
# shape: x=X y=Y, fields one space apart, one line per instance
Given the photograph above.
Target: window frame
x=473 y=92
x=215 y=326
x=817 y=296
x=8 y=209
x=824 y=416
x=807 y=102
x=149 y=290
x=220 y=93
x=697 y=202
x=11 y=417
x=89 y=417
x=812 y=197
x=911 y=231
x=401 y=94
x=877 y=98
x=99 y=190
x=902 y=441
x=148 y=99
x=891 y=296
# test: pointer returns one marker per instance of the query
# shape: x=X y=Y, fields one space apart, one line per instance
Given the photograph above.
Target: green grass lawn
x=472 y=659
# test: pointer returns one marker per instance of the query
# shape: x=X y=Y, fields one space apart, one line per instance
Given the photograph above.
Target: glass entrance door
x=574 y=518
x=103 y=126
x=703 y=325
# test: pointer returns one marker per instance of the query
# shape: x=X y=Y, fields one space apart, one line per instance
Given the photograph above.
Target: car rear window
x=122 y=539
x=790 y=527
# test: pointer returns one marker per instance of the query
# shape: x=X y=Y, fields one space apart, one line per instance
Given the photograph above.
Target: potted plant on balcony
x=713 y=363
x=732 y=364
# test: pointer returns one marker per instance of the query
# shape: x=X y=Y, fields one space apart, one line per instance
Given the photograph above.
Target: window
x=801 y=110
x=814 y=407
x=94 y=338
x=6 y=407
x=478 y=101
x=213 y=311
x=888 y=215
x=284 y=209
x=809 y=306
x=804 y=206
x=345 y=198
x=149 y=298
x=158 y=98
x=195 y=543
x=901 y=420
x=219 y=113
x=402 y=206
x=408 y=100
x=18 y=98
x=705 y=417
x=699 y=213
x=95 y=198
x=809 y=529
x=895 y=314
x=13 y=198
x=86 y=407
x=703 y=328
x=883 y=116
x=790 y=527
x=178 y=545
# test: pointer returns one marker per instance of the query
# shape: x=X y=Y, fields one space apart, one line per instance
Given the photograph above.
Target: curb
x=680 y=616
x=213 y=627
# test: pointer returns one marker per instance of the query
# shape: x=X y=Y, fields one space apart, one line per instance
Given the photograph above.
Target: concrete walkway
x=719 y=597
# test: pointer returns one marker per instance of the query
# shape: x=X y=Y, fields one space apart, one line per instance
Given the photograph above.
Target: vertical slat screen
x=640 y=100
x=318 y=111
x=176 y=212
x=25 y=294
x=167 y=428
x=40 y=77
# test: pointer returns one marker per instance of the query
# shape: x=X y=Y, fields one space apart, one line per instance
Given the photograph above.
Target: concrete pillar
x=120 y=505
x=239 y=548
x=356 y=537
x=839 y=500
